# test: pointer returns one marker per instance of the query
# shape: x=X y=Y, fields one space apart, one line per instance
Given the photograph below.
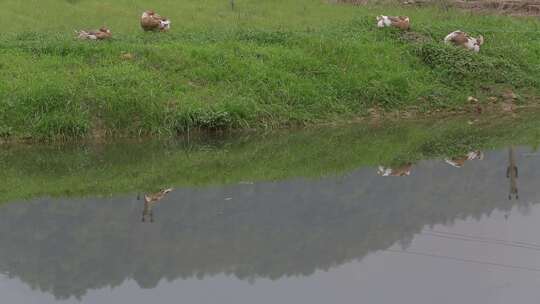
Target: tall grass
x=265 y=64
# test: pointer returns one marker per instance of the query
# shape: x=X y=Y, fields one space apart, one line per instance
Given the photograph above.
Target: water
x=442 y=234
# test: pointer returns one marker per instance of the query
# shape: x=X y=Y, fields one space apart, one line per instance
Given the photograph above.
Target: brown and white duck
x=458 y=162
x=400 y=22
x=102 y=34
x=463 y=39
x=150 y=21
x=403 y=170
x=150 y=200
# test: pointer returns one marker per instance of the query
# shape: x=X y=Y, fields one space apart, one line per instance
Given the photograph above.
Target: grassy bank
x=102 y=170
x=262 y=65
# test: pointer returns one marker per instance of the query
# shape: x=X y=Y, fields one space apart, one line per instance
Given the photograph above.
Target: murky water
x=461 y=231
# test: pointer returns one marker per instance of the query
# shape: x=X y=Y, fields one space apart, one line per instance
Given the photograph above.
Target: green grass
x=266 y=64
x=101 y=170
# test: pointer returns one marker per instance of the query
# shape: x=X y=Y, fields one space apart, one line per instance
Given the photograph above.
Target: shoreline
x=372 y=120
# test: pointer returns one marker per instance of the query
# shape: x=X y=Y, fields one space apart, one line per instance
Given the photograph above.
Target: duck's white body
x=383 y=21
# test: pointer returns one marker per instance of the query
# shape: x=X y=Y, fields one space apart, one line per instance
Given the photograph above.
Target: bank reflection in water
x=264 y=230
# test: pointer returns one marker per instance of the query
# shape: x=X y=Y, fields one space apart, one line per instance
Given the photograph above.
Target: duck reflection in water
x=150 y=200
x=403 y=170
x=458 y=162
x=512 y=173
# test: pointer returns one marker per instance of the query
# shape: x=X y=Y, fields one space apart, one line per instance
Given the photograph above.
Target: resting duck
x=401 y=22
x=150 y=21
x=463 y=39
x=150 y=200
x=458 y=162
x=404 y=170
x=101 y=34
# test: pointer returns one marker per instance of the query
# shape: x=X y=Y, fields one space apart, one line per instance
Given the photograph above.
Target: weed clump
x=462 y=66
x=208 y=120
x=265 y=37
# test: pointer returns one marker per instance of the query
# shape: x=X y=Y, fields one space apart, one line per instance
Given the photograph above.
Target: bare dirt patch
x=514 y=8
x=505 y=7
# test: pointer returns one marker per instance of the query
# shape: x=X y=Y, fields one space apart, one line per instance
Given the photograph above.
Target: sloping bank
x=52 y=86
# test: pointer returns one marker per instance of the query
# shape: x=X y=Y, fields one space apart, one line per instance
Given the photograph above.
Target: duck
x=400 y=22
x=150 y=21
x=458 y=162
x=463 y=39
x=150 y=200
x=404 y=170
x=156 y=197
x=102 y=34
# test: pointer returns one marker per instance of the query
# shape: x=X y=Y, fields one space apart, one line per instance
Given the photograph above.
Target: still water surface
x=442 y=234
